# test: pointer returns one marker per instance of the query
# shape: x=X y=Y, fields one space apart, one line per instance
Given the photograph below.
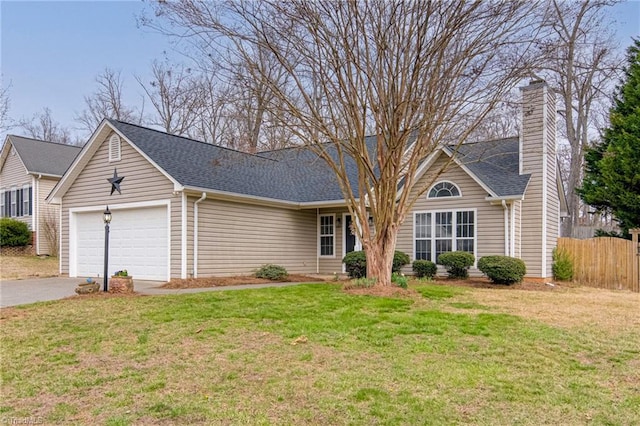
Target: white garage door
x=138 y=242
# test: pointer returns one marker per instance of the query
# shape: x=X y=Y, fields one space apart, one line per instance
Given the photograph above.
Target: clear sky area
x=52 y=51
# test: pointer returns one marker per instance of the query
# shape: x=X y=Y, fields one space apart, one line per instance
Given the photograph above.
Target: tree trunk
x=379 y=254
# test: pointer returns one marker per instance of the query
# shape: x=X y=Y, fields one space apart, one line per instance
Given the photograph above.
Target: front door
x=349 y=240
x=349 y=235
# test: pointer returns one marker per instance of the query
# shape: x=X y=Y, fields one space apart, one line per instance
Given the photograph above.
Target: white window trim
x=326 y=256
x=115 y=154
x=2 y=211
x=453 y=224
x=444 y=198
x=26 y=200
x=13 y=202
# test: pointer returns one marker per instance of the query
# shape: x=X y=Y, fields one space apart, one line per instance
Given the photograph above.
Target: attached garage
x=138 y=242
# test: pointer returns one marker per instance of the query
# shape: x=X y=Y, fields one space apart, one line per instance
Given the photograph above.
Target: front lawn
x=312 y=354
x=21 y=267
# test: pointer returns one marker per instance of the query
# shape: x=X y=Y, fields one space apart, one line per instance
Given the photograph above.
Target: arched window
x=444 y=189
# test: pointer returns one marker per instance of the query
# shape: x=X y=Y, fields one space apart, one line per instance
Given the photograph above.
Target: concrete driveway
x=21 y=292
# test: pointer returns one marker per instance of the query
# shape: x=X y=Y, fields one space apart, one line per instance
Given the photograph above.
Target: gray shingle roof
x=496 y=164
x=296 y=174
x=41 y=157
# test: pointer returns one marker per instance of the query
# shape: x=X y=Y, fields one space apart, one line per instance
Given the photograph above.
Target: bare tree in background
x=42 y=126
x=582 y=65
x=501 y=122
x=409 y=70
x=5 y=122
x=177 y=97
x=107 y=102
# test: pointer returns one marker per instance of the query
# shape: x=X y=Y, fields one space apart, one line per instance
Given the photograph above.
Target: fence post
x=636 y=261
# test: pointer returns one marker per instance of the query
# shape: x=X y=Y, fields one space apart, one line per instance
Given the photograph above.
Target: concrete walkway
x=20 y=292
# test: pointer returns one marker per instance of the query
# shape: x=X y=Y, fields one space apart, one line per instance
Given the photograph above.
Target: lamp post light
x=106 y=216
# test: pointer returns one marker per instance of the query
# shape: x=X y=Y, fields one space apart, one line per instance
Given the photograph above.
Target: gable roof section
x=41 y=157
x=494 y=163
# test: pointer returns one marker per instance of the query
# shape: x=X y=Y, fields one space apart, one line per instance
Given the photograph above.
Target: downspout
x=35 y=218
x=506 y=227
x=195 y=234
x=513 y=230
x=183 y=236
x=317 y=239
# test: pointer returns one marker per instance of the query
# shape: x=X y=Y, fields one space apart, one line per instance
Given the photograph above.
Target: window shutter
x=30 y=201
x=19 y=202
x=114 y=148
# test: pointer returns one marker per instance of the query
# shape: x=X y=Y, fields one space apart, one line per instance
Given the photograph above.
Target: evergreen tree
x=612 y=174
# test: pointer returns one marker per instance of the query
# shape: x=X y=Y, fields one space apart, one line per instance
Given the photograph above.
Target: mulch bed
x=237 y=280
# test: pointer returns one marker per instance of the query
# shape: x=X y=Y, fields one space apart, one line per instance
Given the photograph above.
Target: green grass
x=310 y=354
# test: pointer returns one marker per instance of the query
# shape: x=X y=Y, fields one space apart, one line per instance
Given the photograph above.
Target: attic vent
x=114 y=148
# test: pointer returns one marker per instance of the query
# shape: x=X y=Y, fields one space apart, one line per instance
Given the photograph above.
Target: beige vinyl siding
x=553 y=198
x=542 y=182
x=14 y=174
x=236 y=238
x=47 y=213
x=489 y=220
x=142 y=182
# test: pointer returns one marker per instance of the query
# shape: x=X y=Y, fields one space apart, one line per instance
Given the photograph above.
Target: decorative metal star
x=115 y=182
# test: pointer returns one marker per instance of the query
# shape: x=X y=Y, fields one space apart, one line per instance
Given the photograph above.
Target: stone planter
x=88 y=288
x=121 y=284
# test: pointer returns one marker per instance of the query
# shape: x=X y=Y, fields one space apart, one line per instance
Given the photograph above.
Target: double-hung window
x=3 y=204
x=438 y=232
x=14 y=202
x=327 y=235
x=26 y=200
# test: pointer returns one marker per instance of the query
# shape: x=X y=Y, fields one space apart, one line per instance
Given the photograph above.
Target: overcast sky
x=51 y=51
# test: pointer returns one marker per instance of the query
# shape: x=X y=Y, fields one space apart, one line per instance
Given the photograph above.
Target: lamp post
x=106 y=216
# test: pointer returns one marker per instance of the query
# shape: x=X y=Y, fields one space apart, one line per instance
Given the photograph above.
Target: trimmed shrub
x=457 y=263
x=562 y=265
x=14 y=233
x=355 y=263
x=424 y=268
x=502 y=269
x=399 y=260
x=272 y=272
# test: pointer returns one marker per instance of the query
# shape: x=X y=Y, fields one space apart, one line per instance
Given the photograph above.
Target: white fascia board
x=254 y=199
x=330 y=203
x=38 y=174
x=234 y=196
x=498 y=200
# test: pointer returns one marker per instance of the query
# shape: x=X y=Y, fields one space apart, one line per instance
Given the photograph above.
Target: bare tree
x=5 y=123
x=176 y=96
x=42 y=126
x=582 y=65
x=412 y=71
x=107 y=102
x=501 y=122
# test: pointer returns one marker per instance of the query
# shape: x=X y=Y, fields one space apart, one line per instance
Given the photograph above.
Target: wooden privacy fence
x=604 y=262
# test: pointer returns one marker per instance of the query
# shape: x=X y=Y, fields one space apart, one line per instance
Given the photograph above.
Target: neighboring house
x=190 y=209
x=29 y=169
